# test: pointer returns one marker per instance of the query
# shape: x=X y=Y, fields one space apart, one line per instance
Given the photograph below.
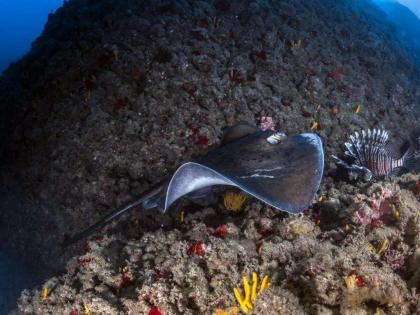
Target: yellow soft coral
x=246 y=303
x=383 y=247
x=234 y=201
x=295 y=44
x=45 y=293
x=350 y=282
x=227 y=311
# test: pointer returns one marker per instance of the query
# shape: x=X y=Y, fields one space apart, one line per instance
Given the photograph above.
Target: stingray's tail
x=140 y=201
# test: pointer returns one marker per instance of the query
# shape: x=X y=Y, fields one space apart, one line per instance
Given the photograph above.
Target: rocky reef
x=115 y=94
x=357 y=252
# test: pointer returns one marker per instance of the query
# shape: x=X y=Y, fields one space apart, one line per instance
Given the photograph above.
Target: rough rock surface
x=325 y=262
x=115 y=94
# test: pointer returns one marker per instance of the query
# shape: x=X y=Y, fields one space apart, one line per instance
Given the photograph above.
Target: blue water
x=413 y=5
x=21 y=22
x=14 y=277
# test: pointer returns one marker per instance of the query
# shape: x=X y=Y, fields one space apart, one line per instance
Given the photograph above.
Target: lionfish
x=369 y=155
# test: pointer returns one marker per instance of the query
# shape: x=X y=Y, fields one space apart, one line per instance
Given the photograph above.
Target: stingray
x=282 y=171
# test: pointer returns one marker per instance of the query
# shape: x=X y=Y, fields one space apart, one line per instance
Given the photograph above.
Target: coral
x=266 y=123
x=250 y=292
x=45 y=293
x=336 y=74
x=295 y=44
x=221 y=231
x=234 y=201
x=237 y=77
x=196 y=249
x=155 y=311
x=227 y=311
x=314 y=125
x=374 y=210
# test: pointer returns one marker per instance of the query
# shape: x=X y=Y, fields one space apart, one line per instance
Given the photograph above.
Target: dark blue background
x=21 y=21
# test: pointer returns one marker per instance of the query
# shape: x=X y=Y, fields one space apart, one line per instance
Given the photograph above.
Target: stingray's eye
x=275 y=138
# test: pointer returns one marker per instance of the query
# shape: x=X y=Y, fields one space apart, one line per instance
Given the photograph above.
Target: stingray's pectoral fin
x=191 y=177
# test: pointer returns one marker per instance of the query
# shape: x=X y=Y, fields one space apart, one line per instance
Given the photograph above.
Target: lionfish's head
x=363 y=173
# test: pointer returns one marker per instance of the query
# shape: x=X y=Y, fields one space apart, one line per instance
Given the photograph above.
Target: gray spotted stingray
x=282 y=171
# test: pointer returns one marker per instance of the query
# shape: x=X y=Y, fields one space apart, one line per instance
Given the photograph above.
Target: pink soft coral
x=266 y=123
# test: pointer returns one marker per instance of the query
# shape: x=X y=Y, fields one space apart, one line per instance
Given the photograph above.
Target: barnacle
x=250 y=292
x=234 y=201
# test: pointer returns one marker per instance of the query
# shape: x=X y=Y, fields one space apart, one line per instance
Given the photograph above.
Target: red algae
x=119 y=104
x=202 y=140
x=359 y=280
x=221 y=231
x=306 y=114
x=157 y=277
x=126 y=281
x=84 y=261
x=97 y=238
x=336 y=74
x=87 y=248
x=196 y=249
x=189 y=88
x=155 y=311
x=417 y=189
x=222 y=5
x=163 y=56
x=236 y=76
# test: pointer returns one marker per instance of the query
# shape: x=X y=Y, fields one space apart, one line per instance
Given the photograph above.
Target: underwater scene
x=214 y=157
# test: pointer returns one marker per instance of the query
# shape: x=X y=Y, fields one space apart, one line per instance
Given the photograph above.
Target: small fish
x=358 y=108
x=369 y=154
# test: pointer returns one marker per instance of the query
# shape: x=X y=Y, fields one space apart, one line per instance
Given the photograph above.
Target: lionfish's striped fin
x=370 y=138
